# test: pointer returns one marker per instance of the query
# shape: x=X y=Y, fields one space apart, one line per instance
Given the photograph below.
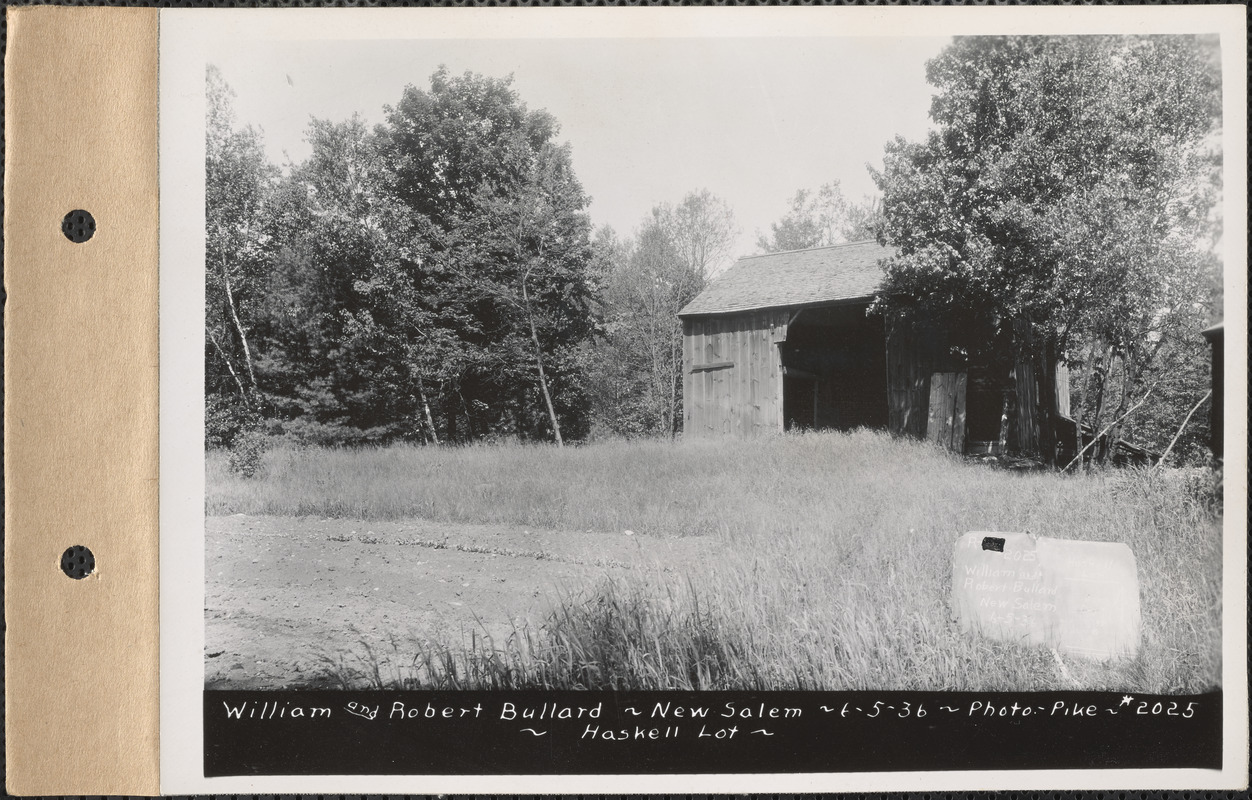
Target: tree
x=666 y=264
x=1063 y=207
x=427 y=279
x=388 y=341
x=238 y=183
x=530 y=251
x=819 y=219
x=701 y=229
x=618 y=375
x=504 y=219
x=862 y=220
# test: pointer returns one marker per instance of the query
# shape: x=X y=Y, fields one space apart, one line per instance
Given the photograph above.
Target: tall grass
x=837 y=562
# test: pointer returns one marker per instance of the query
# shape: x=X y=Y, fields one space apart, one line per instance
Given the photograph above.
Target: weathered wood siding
x=732 y=374
x=733 y=383
x=1062 y=390
x=945 y=419
x=1026 y=383
x=1217 y=339
x=908 y=379
x=1027 y=408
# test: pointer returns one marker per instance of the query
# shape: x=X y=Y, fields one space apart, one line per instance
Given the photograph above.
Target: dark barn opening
x=835 y=369
x=986 y=413
x=799 y=400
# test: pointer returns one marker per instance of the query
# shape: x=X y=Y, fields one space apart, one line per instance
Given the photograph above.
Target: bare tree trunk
x=543 y=378
x=1100 y=375
x=430 y=420
x=656 y=350
x=1101 y=434
x=1136 y=365
x=1181 y=428
x=469 y=420
x=1115 y=428
x=1083 y=381
x=243 y=337
x=243 y=393
x=1004 y=425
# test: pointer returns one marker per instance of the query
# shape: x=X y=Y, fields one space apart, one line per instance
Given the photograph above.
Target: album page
x=691 y=399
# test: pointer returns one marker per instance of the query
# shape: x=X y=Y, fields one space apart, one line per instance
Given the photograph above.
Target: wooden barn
x=783 y=340
x=1216 y=337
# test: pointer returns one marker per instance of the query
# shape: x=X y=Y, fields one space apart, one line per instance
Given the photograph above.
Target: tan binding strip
x=81 y=688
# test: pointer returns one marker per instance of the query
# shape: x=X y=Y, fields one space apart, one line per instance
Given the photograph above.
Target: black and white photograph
x=773 y=370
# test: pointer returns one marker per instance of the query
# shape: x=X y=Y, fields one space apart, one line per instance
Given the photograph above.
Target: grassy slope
x=841 y=568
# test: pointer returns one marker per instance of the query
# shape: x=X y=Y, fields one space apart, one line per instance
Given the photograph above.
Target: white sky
x=752 y=120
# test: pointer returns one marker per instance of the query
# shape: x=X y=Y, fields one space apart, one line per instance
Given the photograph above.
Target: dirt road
x=292 y=602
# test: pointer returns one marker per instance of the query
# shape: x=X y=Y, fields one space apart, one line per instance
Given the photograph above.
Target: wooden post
x=1216 y=336
x=957 y=442
x=945 y=422
x=779 y=338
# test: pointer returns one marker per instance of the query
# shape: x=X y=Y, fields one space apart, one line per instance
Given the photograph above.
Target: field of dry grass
x=833 y=563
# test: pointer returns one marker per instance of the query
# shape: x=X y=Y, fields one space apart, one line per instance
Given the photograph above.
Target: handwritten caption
x=514 y=732
x=669 y=720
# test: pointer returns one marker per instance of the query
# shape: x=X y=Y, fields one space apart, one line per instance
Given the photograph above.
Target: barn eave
x=843 y=301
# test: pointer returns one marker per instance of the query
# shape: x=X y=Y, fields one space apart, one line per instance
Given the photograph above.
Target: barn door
x=945 y=420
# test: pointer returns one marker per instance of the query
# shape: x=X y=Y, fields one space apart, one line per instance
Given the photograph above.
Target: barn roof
x=794 y=278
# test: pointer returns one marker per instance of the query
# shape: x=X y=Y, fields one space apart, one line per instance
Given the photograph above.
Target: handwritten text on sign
x=1079 y=597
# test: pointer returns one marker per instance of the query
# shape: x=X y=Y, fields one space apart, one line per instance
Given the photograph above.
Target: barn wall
x=908 y=384
x=912 y=357
x=733 y=378
x=732 y=374
x=1027 y=439
x=1217 y=408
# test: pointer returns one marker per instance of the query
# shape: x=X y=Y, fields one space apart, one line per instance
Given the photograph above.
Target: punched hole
x=78 y=562
x=78 y=226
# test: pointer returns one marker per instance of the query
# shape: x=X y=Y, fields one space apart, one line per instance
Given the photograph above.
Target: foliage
x=425 y=280
x=238 y=180
x=324 y=382
x=1069 y=186
x=247 y=453
x=820 y=219
x=1179 y=379
x=529 y=254
x=225 y=418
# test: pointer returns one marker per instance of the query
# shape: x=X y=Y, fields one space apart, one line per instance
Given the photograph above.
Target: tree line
x=437 y=278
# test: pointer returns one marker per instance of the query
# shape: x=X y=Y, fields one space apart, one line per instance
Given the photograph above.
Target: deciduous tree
x=1069 y=186
x=508 y=237
x=238 y=182
x=667 y=263
x=821 y=218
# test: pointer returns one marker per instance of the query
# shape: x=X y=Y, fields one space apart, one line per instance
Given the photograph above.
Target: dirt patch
x=291 y=602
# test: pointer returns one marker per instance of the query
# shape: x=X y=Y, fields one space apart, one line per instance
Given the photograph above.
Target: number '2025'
x=1171 y=711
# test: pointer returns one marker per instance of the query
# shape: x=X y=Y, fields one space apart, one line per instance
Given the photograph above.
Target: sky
x=648 y=120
